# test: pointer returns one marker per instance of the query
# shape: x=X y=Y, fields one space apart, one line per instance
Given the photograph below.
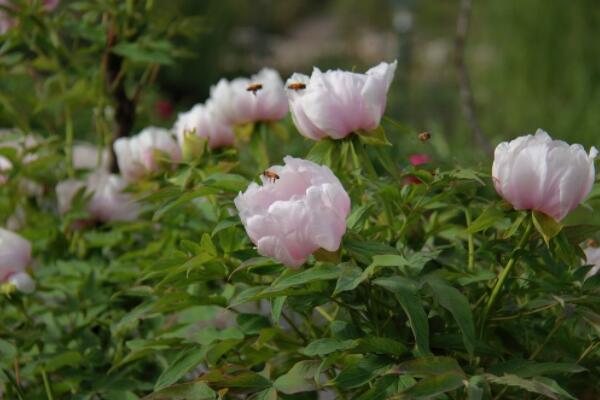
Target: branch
x=466 y=91
x=124 y=106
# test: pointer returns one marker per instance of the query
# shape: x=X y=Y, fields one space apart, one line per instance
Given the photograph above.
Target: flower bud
x=534 y=172
x=15 y=256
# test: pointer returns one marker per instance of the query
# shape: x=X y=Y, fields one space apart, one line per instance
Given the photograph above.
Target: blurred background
x=532 y=64
x=522 y=64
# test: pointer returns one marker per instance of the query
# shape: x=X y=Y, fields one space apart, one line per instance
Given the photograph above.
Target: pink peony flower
x=534 y=172
x=592 y=255
x=108 y=201
x=292 y=216
x=237 y=103
x=203 y=121
x=337 y=103
x=15 y=256
x=137 y=156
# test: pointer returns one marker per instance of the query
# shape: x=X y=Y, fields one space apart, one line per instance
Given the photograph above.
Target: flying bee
x=270 y=175
x=592 y=243
x=424 y=136
x=297 y=86
x=254 y=87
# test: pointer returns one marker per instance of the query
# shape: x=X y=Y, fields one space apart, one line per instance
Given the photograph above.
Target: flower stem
x=502 y=277
x=545 y=342
x=47 y=387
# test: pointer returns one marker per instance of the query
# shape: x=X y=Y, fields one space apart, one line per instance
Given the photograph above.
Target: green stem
x=47 y=387
x=503 y=275
x=69 y=141
x=545 y=342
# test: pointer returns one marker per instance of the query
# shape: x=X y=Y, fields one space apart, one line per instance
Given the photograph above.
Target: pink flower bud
x=204 y=122
x=298 y=209
x=419 y=159
x=243 y=100
x=336 y=103
x=137 y=156
x=534 y=172
x=15 y=254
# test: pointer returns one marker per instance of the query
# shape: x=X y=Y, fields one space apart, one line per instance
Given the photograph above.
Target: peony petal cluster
x=534 y=172
x=15 y=256
x=337 y=103
x=108 y=200
x=138 y=156
x=290 y=217
x=237 y=103
x=203 y=121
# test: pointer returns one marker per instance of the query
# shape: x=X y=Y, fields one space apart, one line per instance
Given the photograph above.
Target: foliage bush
x=178 y=304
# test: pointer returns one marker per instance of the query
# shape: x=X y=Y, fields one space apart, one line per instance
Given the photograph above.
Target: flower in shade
x=139 y=156
x=337 y=103
x=534 y=172
x=592 y=257
x=302 y=207
x=5 y=167
x=202 y=121
x=15 y=256
x=107 y=202
x=258 y=98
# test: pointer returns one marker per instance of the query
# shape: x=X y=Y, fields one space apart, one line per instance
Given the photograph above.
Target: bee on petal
x=254 y=87
x=270 y=175
x=297 y=86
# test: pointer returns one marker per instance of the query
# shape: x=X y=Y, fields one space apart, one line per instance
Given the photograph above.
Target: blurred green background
x=532 y=63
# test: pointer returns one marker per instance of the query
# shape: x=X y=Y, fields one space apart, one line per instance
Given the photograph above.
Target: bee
x=592 y=243
x=297 y=86
x=254 y=87
x=270 y=175
x=424 y=136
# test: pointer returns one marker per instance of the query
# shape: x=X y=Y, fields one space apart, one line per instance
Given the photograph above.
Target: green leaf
x=184 y=362
x=148 y=52
x=374 y=137
x=362 y=372
x=228 y=182
x=364 y=250
x=577 y=234
x=69 y=358
x=546 y=226
x=184 y=391
x=350 y=277
x=381 y=345
x=318 y=273
x=300 y=378
x=358 y=215
x=276 y=308
x=433 y=386
x=458 y=305
x=543 y=386
x=321 y=347
x=528 y=369
x=486 y=220
x=428 y=366
x=407 y=295
x=321 y=152
x=267 y=394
